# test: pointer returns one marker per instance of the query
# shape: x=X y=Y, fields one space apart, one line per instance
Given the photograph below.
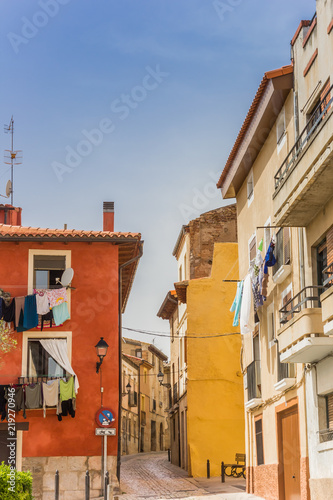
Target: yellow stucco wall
x=215 y=415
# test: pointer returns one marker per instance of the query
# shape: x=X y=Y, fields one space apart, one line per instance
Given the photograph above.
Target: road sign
x=105 y=432
x=104 y=417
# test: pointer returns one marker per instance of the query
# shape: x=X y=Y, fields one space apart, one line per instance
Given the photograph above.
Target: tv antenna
x=12 y=156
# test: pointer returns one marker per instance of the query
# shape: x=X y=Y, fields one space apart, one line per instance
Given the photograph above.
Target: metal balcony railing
x=317 y=116
x=175 y=393
x=310 y=296
x=328 y=275
x=254 y=380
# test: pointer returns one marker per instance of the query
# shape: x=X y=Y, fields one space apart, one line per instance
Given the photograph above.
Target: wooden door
x=289 y=451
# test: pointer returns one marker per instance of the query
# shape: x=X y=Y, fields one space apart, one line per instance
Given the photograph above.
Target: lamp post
x=160 y=377
x=101 y=350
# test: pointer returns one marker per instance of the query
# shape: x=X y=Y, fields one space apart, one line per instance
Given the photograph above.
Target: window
x=250 y=188
x=48 y=270
x=184 y=267
x=40 y=363
x=129 y=429
x=280 y=127
x=138 y=353
x=259 y=441
x=180 y=273
x=285 y=297
x=142 y=402
x=325 y=404
x=282 y=248
x=270 y=325
x=252 y=247
x=267 y=235
x=145 y=375
x=284 y=370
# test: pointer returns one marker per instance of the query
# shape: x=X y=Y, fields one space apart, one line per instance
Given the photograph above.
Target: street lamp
x=160 y=377
x=128 y=388
x=101 y=350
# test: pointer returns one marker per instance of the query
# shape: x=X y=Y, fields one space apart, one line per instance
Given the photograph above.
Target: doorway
x=289 y=454
x=153 y=435
x=142 y=442
x=161 y=437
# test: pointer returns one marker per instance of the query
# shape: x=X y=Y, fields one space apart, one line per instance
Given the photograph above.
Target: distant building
x=144 y=409
x=206 y=414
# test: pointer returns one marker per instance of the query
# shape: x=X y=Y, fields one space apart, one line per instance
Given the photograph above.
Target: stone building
x=144 y=405
x=206 y=414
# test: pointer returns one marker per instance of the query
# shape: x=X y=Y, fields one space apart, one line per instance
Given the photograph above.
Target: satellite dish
x=9 y=189
x=67 y=277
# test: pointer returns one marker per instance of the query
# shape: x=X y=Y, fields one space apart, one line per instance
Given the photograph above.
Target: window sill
x=324 y=446
x=285 y=383
x=253 y=403
x=282 y=273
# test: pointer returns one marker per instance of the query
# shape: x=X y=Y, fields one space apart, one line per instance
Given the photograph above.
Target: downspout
x=139 y=408
x=120 y=353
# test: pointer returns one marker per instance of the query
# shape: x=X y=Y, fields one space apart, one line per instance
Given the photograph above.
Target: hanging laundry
x=33 y=396
x=19 y=399
x=57 y=296
x=270 y=259
x=20 y=327
x=48 y=318
x=67 y=398
x=50 y=395
x=30 y=319
x=19 y=306
x=60 y=313
x=8 y=311
x=236 y=305
x=43 y=305
x=246 y=311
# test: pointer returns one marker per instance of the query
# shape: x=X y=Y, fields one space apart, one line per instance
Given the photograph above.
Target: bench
x=236 y=470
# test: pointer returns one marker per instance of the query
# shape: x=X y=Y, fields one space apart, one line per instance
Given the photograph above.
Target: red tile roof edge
x=28 y=232
x=284 y=70
x=301 y=25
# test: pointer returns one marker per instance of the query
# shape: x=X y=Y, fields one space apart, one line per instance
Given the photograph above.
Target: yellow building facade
x=215 y=405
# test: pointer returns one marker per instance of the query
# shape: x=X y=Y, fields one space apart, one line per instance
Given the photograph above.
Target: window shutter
x=329 y=400
x=286 y=245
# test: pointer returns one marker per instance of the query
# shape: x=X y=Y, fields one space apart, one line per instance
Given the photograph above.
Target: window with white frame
x=252 y=247
x=41 y=363
x=282 y=248
x=250 y=188
x=270 y=325
x=45 y=267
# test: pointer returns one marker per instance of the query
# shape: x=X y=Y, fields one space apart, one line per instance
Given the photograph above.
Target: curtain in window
x=57 y=348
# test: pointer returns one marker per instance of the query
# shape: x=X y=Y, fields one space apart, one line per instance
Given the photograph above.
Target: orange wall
x=94 y=313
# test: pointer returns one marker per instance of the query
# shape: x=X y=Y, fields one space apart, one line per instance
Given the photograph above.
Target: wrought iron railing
x=310 y=295
x=328 y=275
x=254 y=380
x=318 y=115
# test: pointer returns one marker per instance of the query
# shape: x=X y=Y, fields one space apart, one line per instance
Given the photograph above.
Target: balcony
x=143 y=418
x=304 y=182
x=286 y=375
x=253 y=385
x=301 y=336
x=326 y=299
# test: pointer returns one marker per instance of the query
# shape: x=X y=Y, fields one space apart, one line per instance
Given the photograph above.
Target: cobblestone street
x=151 y=476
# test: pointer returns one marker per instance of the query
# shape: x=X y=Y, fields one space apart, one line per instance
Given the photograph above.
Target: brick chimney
x=108 y=216
x=10 y=215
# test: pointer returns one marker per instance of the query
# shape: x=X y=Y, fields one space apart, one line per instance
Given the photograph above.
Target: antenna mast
x=12 y=156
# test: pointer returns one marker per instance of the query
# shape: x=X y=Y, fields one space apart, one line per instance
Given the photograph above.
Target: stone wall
x=266 y=481
x=72 y=472
x=216 y=226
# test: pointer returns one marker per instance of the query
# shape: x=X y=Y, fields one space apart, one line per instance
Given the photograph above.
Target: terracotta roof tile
x=285 y=70
x=7 y=231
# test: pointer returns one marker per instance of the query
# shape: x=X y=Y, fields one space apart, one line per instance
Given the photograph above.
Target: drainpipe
x=120 y=352
x=139 y=407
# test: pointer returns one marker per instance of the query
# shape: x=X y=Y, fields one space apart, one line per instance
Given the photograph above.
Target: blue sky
x=163 y=84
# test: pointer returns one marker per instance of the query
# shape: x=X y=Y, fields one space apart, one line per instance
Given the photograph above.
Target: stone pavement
x=151 y=476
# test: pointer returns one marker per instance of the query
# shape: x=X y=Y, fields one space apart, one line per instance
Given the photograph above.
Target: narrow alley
x=150 y=475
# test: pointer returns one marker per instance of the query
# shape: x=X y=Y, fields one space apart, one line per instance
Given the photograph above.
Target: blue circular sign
x=104 y=417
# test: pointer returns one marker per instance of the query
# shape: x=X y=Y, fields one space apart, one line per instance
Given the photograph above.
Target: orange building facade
x=104 y=264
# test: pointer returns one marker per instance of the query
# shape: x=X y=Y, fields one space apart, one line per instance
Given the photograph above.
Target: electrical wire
x=186 y=335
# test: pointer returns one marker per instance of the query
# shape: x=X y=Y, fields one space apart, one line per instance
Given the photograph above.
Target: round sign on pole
x=104 y=417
